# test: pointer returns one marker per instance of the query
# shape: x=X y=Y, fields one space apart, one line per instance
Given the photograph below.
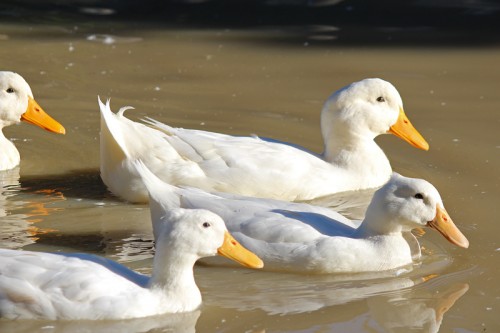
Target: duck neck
x=9 y=155
x=357 y=154
x=340 y=142
x=173 y=276
x=377 y=226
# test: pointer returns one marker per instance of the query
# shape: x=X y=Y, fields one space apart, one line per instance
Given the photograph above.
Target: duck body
x=298 y=237
x=50 y=287
x=351 y=118
x=327 y=254
x=36 y=285
x=16 y=104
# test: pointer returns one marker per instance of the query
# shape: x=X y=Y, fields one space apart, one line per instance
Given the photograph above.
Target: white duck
x=36 y=285
x=351 y=118
x=298 y=237
x=16 y=104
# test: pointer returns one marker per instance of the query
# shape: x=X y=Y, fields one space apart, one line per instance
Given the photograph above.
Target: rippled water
x=238 y=82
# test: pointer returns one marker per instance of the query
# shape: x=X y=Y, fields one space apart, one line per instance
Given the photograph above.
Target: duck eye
x=418 y=196
x=206 y=224
x=10 y=90
x=380 y=99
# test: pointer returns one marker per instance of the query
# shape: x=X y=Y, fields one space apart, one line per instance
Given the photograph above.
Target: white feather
x=298 y=237
x=37 y=285
x=351 y=119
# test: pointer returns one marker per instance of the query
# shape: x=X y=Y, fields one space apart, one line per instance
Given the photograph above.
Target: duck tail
x=111 y=139
x=163 y=197
x=168 y=130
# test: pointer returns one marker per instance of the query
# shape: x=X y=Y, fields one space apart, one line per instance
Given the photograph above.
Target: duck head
x=204 y=234
x=405 y=203
x=17 y=103
x=366 y=109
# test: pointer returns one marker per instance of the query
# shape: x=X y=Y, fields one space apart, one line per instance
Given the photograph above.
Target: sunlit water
x=235 y=82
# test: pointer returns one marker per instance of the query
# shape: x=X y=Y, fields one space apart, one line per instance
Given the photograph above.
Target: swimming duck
x=37 y=285
x=16 y=104
x=351 y=118
x=299 y=237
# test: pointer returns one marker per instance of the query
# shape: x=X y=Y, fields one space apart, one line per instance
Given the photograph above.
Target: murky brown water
x=232 y=82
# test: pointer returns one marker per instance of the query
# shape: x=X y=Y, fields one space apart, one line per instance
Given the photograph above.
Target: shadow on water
x=314 y=22
x=44 y=210
x=120 y=245
x=82 y=183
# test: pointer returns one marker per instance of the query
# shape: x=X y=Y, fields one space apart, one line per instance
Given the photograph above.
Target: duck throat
x=377 y=226
x=173 y=277
x=358 y=156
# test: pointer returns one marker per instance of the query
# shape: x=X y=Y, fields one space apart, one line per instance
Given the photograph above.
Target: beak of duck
x=235 y=251
x=35 y=115
x=443 y=223
x=405 y=130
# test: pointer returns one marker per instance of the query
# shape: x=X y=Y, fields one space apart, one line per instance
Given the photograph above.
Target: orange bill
x=405 y=130
x=443 y=223
x=35 y=115
x=235 y=251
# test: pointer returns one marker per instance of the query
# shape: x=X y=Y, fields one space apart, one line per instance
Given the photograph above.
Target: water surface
x=236 y=82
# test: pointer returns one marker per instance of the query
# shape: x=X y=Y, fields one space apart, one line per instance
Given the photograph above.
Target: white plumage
x=299 y=237
x=351 y=118
x=39 y=285
x=16 y=104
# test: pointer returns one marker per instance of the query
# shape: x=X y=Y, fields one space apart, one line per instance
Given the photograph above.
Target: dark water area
x=360 y=23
